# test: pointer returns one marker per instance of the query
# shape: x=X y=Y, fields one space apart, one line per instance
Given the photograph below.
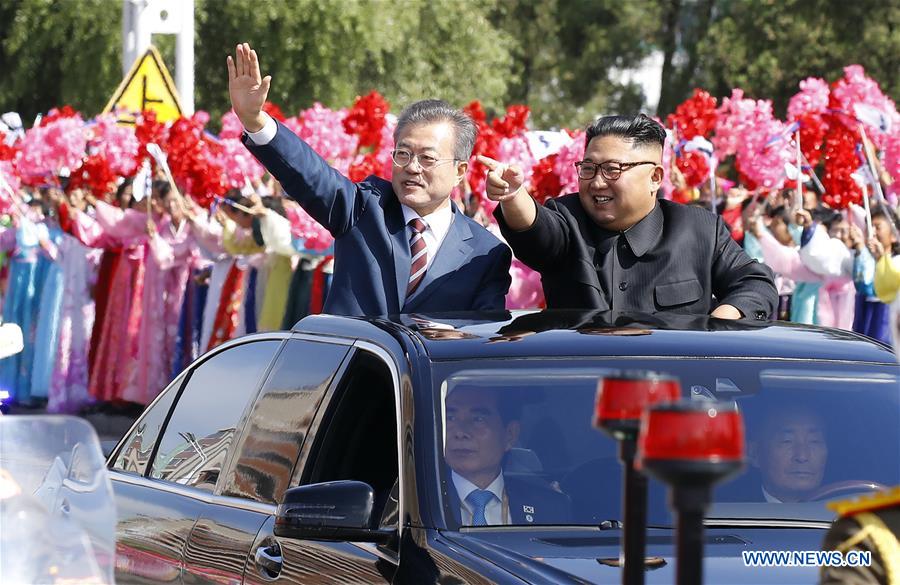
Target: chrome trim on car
x=765 y=523
x=195 y=494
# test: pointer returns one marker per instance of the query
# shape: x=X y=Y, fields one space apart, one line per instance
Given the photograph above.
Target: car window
x=357 y=438
x=138 y=447
x=280 y=418
x=814 y=432
x=198 y=437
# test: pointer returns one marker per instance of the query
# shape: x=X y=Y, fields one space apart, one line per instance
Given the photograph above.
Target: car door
x=354 y=436
x=262 y=460
x=165 y=471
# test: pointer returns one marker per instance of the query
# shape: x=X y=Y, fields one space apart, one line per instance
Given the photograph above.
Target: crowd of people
x=119 y=282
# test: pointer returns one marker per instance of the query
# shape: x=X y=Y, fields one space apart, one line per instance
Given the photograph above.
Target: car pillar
x=621 y=400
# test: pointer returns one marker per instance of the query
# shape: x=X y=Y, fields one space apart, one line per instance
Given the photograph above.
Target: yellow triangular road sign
x=148 y=86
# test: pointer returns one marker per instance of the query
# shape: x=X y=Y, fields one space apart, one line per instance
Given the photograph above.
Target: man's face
x=791 y=455
x=426 y=190
x=477 y=438
x=618 y=205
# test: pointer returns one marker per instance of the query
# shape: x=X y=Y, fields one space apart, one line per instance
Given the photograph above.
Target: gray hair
x=431 y=111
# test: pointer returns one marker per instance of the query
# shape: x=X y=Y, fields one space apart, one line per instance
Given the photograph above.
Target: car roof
x=571 y=333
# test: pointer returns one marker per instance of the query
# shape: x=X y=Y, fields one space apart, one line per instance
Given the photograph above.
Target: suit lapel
x=453 y=501
x=400 y=247
x=520 y=511
x=454 y=251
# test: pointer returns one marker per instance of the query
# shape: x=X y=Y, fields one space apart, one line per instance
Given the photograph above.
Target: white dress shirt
x=438 y=223
x=770 y=498
x=493 y=511
x=266 y=134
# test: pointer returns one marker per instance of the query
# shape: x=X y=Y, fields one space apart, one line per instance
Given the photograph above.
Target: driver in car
x=790 y=451
x=482 y=426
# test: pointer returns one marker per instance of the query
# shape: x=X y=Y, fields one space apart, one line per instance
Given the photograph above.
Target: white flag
x=143 y=182
x=791 y=171
x=873 y=117
x=544 y=143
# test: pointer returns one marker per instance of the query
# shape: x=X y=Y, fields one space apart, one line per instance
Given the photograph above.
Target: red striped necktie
x=419 y=254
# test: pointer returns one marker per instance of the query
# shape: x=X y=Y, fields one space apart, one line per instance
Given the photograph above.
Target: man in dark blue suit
x=400 y=246
x=482 y=426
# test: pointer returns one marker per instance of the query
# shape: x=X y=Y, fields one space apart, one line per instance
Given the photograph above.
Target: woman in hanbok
x=885 y=248
x=135 y=233
x=46 y=340
x=24 y=243
x=782 y=255
x=275 y=232
x=824 y=251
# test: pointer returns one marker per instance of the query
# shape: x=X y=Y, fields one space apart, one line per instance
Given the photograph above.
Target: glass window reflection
x=280 y=418
x=199 y=435
x=135 y=454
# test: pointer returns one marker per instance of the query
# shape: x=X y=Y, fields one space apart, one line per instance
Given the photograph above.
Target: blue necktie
x=479 y=499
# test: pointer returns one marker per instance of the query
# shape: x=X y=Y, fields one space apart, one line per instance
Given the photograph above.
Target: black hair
x=121 y=189
x=830 y=217
x=779 y=212
x=823 y=215
x=161 y=187
x=236 y=196
x=275 y=204
x=640 y=130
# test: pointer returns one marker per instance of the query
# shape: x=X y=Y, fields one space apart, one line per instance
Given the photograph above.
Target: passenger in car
x=615 y=246
x=482 y=426
x=790 y=450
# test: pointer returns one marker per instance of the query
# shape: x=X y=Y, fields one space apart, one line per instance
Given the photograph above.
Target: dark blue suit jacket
x=529 y=502
x=372 y=260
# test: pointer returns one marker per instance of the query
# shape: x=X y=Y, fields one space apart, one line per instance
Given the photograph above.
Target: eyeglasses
x=610 y=171
x=403 y=158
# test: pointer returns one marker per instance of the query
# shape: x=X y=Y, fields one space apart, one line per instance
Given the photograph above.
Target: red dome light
x=693 y=438
x=623 y=397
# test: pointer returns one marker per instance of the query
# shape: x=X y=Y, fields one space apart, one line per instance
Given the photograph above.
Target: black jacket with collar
x=678 y=258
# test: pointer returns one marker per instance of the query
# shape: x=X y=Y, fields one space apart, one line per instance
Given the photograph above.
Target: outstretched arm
x=329 y=197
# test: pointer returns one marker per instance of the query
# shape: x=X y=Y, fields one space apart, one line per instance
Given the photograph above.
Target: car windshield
x=519 y=448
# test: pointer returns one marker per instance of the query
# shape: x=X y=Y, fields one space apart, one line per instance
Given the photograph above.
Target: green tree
x=59 y=52
x=766 y=47
x=568 y=54
x=331 y=51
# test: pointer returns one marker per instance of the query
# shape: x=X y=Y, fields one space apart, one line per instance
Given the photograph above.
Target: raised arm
x=329 y=197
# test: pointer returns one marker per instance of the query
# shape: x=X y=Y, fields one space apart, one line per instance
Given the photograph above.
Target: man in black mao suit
x=482 y=426
x=614 y=246
x=400 y=245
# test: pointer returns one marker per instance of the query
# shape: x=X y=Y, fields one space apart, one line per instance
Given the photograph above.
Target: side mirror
x=335 y=511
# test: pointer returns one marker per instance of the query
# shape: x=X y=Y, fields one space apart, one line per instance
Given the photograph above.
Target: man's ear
x=656 y=178
x=461 y=169
x=512 y=433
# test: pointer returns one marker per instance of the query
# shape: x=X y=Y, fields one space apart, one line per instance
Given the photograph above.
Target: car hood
x=589 y=556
